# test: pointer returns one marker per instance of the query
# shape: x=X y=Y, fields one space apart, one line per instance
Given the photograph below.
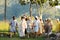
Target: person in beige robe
x=41 y=26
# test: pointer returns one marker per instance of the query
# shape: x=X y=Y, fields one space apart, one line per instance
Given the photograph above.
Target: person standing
x=13 y=25
x=48 y=26
x=22 y=27
x=57 y=25
x=29 y=26
x=36 y=26
x=41 y=26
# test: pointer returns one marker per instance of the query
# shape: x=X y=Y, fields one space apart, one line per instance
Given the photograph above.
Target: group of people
x=27 y=25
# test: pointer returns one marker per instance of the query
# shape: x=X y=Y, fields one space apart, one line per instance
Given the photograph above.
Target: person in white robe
x=22 y=27
x=13 y=26
x=29 y=26
x=36 y=25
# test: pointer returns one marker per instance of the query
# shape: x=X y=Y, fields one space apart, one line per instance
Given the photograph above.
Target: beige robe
x=41 y=26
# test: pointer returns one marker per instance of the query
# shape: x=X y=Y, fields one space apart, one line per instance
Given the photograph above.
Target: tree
x=5 y=11
x=53 y=2
x=40 y=3
x=24 y=2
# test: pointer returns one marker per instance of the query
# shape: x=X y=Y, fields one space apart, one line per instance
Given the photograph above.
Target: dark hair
x=35 y=18
x=22 y=17
x=27 y=19
x=13 y=17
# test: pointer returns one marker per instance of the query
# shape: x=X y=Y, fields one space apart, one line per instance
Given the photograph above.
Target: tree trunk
x=40 y=10
x=30 y=10
x=5 y=11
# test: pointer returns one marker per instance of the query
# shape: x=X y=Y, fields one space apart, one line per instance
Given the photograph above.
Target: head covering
x=48 y=18
x=36 y=17
x=57 y=19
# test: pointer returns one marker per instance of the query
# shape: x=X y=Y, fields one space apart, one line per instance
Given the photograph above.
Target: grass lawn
x=17 y=38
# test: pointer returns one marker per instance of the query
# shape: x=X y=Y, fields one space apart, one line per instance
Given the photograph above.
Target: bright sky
x=58 y=7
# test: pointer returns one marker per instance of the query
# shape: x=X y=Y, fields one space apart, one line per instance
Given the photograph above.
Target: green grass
x=17 y=38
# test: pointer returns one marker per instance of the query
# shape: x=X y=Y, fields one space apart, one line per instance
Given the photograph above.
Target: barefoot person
x=13 y=25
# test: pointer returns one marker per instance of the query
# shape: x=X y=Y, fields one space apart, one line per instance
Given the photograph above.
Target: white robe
x=36 y=25
x=29 y=26
x=13 y=25
x=22 y=27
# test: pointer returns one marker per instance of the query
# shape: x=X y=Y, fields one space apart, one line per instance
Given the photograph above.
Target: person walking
x=13 y=25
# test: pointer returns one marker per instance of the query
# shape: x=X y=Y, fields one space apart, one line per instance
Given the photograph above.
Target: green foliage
x=56 y=2
x=22 y=2
x=38 y=1
x=31 y=0
x=41 y=1
x=53 y=3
